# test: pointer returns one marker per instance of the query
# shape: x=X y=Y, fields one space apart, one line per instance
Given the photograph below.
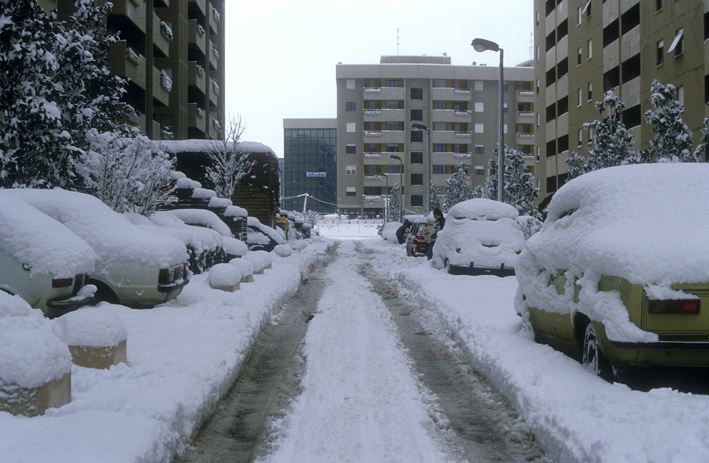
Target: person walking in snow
x=438 y=223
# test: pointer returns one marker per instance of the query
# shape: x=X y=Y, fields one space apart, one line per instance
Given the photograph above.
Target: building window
x=658 y=5
x=351 y=191
x=392 y=126
x=504 y=107
x=350 y=84
x=416 y=200
x=504 y=128
x=392 y=83
x=439 y=126
x=166 y=120
x=579 y=15
x=392 y=105
x=351 y=170
x=416 y=157
x=536 y=53
x=479 y=170
x=350 y=149
x=479 y=107
x=580 y=56
x=479 y=149
x=392 y=148
x=660 y=53
x=590 y=91
x=590 y=49
x=417 y=114
x=417 y=179
x=439 y=105
x=351 y=127
x=677 y=44
x=417 y=94
x=680 y=95
x=372 y=148
x=588 y=9
x=350 y=106
x=439 y=83
x=580 y=96
x=479 y=85
x=440 y=148
x=479 y=128
x=416 y=136
x=439 y=169
x=580 y=137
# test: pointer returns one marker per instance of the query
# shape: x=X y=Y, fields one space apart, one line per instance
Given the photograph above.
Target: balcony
x=450 y=115
x=384 y=93
x=525 y=117
x=213 y=91
x=213 y=128
x=450 y=137
x=197 y=77
x=214 y=19
x=525 y=96
x=162 y=36
x=196 y=117
x=132 y=117
x=197 y=36
x=213 y=56
x=384 y=115
x=450 y=94
x=132 y=10
x=125 y=62
x=200 y=5
x=162 y=84
x=523 y=138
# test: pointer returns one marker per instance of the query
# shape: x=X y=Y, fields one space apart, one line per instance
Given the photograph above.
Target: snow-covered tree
x=458 y=187
x=229 y=164
x=612 y=144
x=673 y=138
x=520 y=190
x=489 y=188
x=703 y=147
x=434 y=200
x=127 y=171
x=54 y=86
x=394 y=204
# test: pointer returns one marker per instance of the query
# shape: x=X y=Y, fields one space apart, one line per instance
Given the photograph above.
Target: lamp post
x=401 y=186
x=481 y=45
x=428 y=157
x=386 y=199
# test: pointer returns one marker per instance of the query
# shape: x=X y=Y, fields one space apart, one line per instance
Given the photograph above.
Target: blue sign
x=316 y=174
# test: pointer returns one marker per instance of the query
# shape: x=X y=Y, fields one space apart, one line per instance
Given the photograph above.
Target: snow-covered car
x=135 y=266
x=416 y=244
x=208 y=219
x=42 y=261
x=261 y=237
x=388 y=231
x=481 y=237
x=619 y=272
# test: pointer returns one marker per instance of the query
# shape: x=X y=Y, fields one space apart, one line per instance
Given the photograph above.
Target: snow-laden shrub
x=246 y=268
x=224 y=277
x=283 y=250
x=90 y=327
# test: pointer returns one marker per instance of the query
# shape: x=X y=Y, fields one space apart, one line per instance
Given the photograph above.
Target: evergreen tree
x=520 y=190
x=394 y=204
x=489 y=188
x=458 y=187
x=703 y=147
x=673 y=139
x=612 y=144
x=434 y=199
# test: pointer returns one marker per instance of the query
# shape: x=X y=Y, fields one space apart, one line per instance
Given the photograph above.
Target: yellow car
x=619 y=273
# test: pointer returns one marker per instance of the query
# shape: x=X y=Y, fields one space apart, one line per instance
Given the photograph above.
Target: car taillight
x=79 y=282
x=164 y=276
x=62 y=282
x=688 y=306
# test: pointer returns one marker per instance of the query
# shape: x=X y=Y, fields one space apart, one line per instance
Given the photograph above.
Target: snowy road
x=377 y=386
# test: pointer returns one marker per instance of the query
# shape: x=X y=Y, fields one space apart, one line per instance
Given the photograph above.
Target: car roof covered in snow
x=482 y=209
x=204 y=218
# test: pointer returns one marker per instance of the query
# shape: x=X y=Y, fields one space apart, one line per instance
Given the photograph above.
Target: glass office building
x=310 y=164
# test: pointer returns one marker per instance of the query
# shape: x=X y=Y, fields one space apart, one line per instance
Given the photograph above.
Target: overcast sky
x=281 y=54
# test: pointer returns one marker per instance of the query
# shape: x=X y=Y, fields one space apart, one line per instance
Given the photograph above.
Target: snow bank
x=92 y=327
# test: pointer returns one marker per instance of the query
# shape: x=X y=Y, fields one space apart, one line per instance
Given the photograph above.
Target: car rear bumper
x=471 y=270
x=675 y=353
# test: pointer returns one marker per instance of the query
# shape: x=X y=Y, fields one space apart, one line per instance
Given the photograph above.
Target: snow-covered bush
x=225 y=277
x=246 y=268
x=283 y=250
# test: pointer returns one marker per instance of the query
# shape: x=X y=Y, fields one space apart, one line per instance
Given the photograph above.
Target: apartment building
x=172 y=54
x=310 y=164
x=378 y=146
x=584 y=48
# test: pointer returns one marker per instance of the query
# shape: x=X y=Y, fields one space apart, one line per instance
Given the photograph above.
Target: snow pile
x=31 y=354
x=219 y=202
x=234 y=247
x=92 y=327
x=224 y=276
x=111 y=235
x=246 y=268
x=187 y=184
x=41 y=242
x=482 y=232
x=199 y=239
x=297 y=245
x=235 y=211
x=203 y=218
x=645 y=223
x=275 y=234
x=283 y=250
x=259 y=259
x=203 y=193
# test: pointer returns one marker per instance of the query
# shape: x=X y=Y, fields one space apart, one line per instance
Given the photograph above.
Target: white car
x=136 y=267
x=42 y=261
x=480 y=237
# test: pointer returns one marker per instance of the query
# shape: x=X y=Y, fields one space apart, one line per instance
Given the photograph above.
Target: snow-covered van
x=619 y=271
x=135 y=266
x=42 y=261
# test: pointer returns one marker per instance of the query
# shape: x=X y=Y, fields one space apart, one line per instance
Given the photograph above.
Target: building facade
x=378 y=146
x=584 y=48
x=310 y=164
x=172 y=54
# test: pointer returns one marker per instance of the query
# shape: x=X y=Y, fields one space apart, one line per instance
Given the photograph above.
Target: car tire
x=593 y=359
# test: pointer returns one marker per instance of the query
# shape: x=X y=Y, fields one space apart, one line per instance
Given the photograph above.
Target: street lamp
x=401 y=186
x=428 y=156
x=386 y=199
x=481 y=45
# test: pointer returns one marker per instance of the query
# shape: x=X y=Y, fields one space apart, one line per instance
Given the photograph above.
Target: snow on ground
x=184 y=355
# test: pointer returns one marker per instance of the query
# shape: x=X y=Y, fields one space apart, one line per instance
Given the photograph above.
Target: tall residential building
x=377 y=146
x=310 y=164
x=172 y=54
x=584 y=48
